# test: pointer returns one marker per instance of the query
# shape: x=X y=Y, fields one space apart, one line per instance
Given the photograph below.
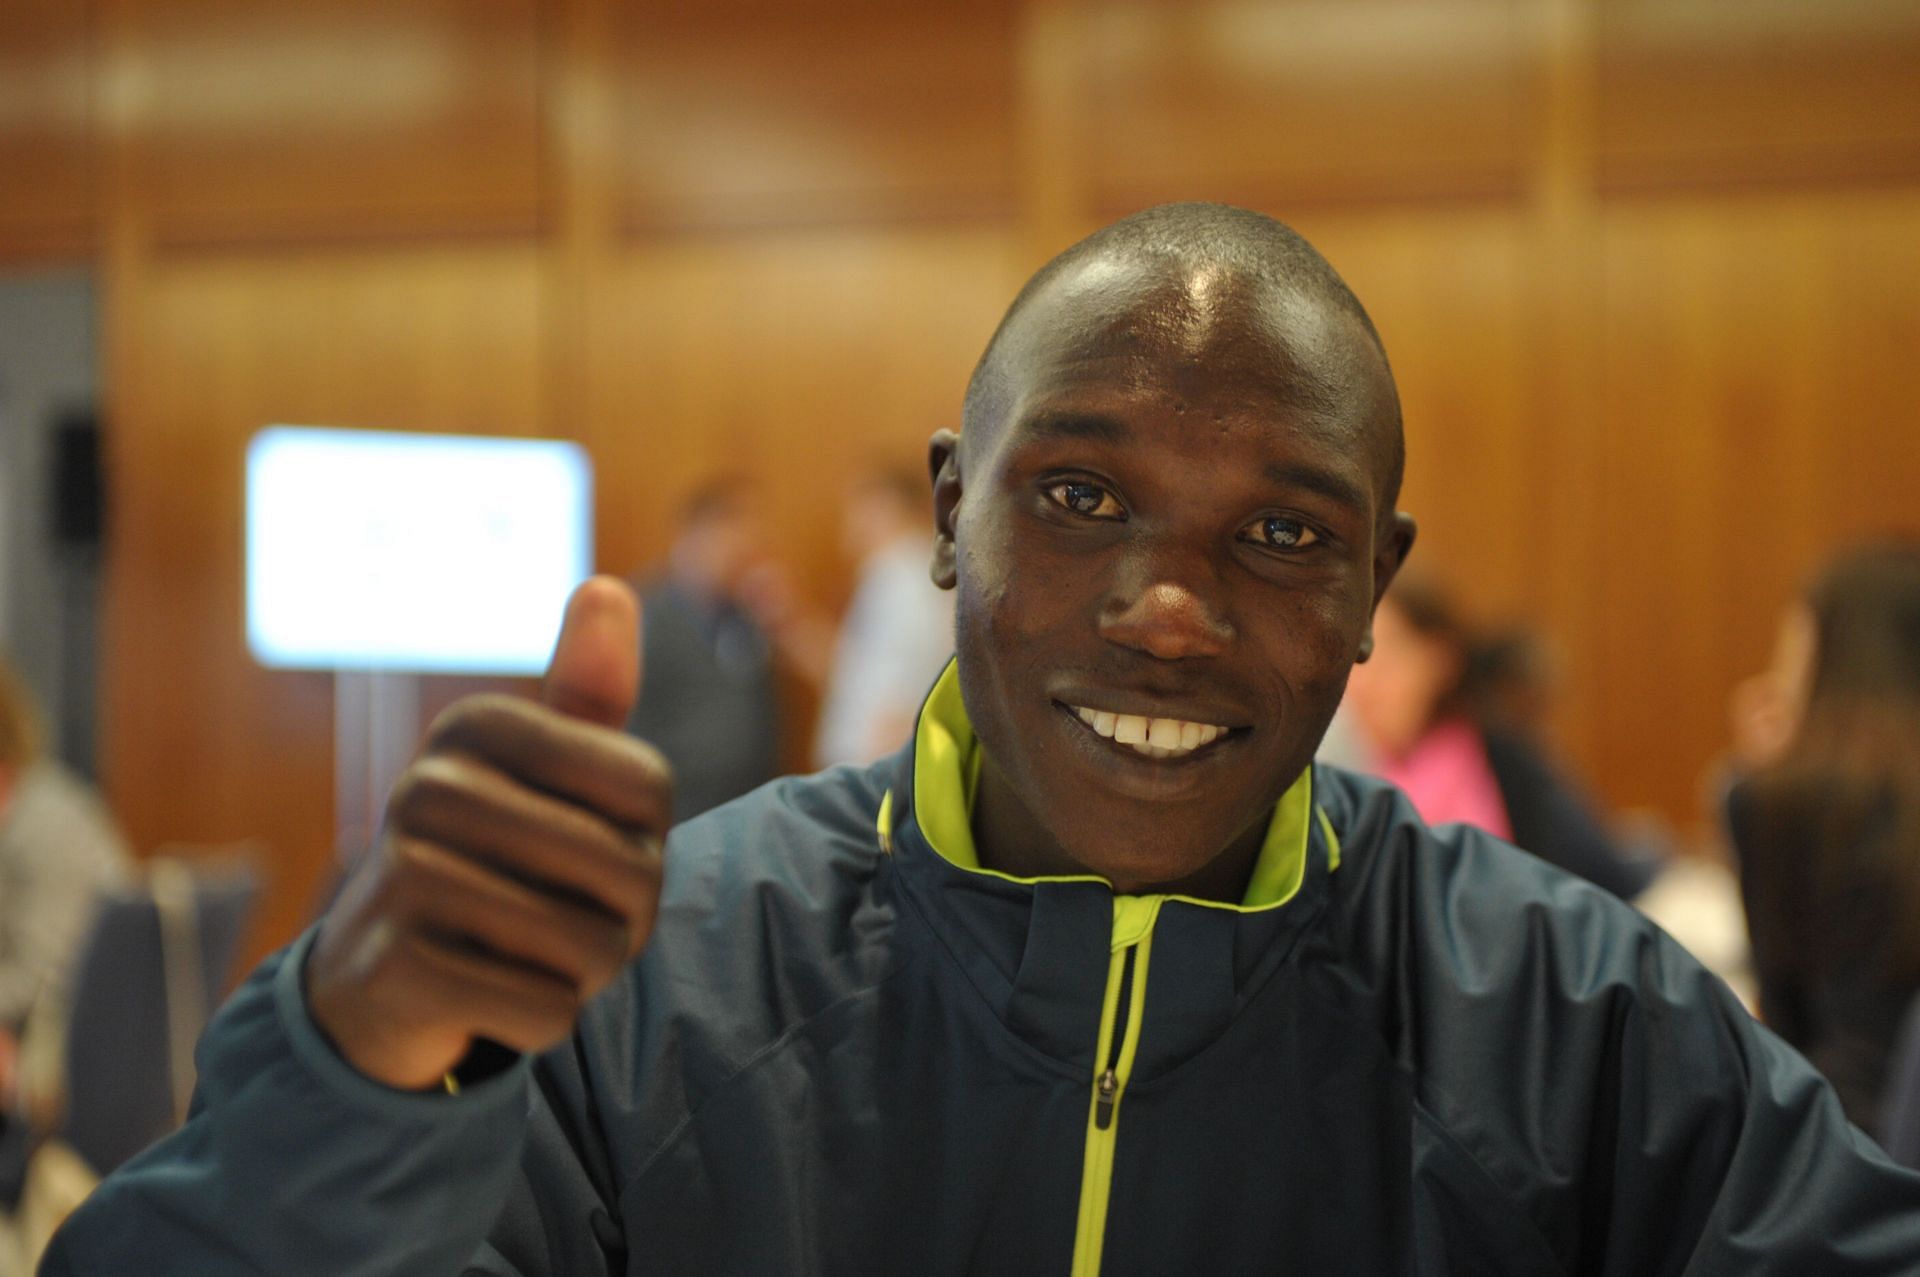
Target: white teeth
x=1154 y=737
x=1099 y=720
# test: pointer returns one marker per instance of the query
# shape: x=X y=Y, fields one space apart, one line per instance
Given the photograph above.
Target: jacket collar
x=1037 y=949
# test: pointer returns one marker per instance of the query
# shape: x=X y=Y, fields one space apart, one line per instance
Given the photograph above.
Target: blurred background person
x=59 y=850
x=898 y=630
x=1508 y=691
x=708 y=698
x=1455 y=722
x=1825 y=818
x=1409 y=711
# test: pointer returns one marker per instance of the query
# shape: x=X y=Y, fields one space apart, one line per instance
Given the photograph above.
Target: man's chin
x=1143 y=870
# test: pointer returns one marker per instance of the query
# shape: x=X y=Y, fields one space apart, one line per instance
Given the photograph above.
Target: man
x=1096 y=975
x=711 y=707
x=898 y=631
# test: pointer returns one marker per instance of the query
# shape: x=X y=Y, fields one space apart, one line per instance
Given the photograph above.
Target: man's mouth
x=1151 y=737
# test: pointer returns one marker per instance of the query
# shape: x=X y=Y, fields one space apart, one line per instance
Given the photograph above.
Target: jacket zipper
x=1106 y=1087
x=1118 y=1043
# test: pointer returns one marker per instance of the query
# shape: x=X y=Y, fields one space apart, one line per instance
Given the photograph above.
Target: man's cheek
x=1017 y=609
x=1316 y=645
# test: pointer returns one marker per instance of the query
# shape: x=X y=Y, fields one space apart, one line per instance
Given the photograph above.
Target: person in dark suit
x=709 y=702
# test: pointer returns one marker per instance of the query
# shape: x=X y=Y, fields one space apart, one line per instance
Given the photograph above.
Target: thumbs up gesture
x=518 y=870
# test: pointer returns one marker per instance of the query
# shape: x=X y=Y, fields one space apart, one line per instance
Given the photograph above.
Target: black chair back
x=153 y=966
x=1899 y=1131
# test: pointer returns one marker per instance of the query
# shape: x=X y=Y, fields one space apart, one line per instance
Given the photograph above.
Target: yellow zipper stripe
x=1096 y=1173
x=1333 y=839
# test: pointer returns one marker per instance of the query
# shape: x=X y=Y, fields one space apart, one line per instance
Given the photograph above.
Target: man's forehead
x=1201 y=315
x=1204 y=332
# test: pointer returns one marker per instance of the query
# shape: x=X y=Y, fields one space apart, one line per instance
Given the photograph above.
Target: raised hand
x=518 y=871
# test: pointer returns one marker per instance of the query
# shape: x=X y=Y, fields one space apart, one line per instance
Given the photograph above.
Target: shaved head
x=1195 y=248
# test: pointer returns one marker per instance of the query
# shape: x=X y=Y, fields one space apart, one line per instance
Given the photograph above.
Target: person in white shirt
x=898 y=631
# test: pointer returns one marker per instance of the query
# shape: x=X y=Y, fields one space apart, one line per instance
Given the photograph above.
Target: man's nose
x=1167 y=615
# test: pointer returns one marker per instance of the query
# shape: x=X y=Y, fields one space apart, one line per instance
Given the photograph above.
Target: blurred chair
x=1899 y=1131
x=152 y=970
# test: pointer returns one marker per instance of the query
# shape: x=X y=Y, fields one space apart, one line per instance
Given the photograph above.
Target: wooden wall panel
x=791 y=359
x=1302 y=101
x=1702 y=92
x=339 y=118
x=745 y=114
x=45 y=81
x=1466 y=307
x=1451 y=296
x=203 y=745
x=1759 y=383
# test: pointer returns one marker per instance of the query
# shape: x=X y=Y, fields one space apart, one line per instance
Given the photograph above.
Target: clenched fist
x=518 y=870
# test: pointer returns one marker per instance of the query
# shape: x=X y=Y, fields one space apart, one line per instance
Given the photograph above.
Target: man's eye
x=1278 y=532
x=1086 y=498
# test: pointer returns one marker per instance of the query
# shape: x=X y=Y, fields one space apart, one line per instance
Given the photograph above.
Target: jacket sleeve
x=1710 y=1146
x=1800 y=1189
x=1612 y=1091
x=293 y=1163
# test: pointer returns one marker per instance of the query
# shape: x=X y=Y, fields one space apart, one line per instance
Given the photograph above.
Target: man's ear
x=1390 y=553
x=943 y=465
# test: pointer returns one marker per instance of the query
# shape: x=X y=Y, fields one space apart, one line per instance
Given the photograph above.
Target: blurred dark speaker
x=79 y=495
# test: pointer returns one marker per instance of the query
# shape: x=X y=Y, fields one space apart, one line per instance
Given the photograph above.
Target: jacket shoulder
x=772 y=909
x=1547 y=1027
x=1476 y=914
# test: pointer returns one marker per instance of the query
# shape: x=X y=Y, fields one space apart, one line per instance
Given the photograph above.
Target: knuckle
x=412 y=859
x=610 y=942
x=659 y=772
x=472 y=720
x=636 y=889
x=546 y=1018
x=648 y=800
x=403 y=801
x=389 y=957
x=560 y=1012
x=426 y=789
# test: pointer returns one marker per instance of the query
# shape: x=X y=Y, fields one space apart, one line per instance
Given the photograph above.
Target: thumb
x=595 y=671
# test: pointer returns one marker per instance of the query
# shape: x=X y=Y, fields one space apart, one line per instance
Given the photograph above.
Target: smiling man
x=1098 y=974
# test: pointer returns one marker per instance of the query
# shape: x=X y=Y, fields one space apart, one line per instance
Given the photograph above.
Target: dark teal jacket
x=1412 y=1052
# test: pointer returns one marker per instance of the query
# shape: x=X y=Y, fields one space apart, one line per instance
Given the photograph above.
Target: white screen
x=408 y=552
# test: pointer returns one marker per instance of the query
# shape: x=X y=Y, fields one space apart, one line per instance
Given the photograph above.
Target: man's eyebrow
x=1328 y=483
x=1077 y=425
x=1286 y=474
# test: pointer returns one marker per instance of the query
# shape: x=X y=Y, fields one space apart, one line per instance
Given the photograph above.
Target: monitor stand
x=376 y=726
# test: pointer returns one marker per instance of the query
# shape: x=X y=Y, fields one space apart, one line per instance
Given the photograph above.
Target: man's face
x=1177 y=530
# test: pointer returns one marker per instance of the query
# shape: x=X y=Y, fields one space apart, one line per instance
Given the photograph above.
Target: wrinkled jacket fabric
x=844 y=1052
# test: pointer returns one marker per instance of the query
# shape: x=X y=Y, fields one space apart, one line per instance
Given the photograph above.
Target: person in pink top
x=1452 y=718
x=1408 y=705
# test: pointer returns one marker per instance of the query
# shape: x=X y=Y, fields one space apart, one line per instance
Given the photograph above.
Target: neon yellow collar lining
x=946 y=771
